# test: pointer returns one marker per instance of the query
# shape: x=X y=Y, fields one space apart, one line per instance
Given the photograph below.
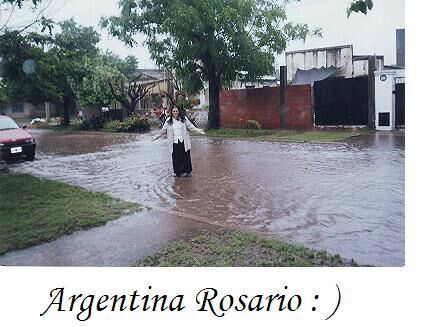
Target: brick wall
x=263 y=105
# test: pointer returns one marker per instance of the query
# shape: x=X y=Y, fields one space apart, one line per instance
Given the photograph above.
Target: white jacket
x=168 y=129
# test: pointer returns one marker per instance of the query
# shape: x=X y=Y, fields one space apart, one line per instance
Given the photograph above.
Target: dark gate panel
x=400 y=102
x=341 y=101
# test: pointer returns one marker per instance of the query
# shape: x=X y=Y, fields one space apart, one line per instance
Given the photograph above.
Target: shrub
x=133 y=123
x=253 y=124
x=136 y=123
x=112 y=126
x=78 y=125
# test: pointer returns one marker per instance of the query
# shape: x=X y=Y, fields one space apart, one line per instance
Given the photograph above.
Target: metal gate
x=400 y=104
x=341 y=101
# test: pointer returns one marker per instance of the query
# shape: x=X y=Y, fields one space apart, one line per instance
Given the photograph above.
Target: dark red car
x=15 y=142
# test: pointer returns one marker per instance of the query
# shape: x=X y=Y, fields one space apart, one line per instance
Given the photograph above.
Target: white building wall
x=384 y=95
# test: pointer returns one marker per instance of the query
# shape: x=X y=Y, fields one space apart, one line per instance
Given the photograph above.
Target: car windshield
x=7 y=123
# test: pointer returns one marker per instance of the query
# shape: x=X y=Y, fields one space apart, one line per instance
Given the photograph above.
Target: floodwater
x=346 y=198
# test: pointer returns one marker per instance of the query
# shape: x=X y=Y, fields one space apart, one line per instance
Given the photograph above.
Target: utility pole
x=283 y=77
x=371 y=92
x=47 y=111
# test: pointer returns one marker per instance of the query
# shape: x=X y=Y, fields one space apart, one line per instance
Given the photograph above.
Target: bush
x=78 y=125
x=113 y=126
x=253 y=124
x=133 y=123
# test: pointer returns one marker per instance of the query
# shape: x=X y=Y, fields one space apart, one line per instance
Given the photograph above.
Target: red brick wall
x=263 y=105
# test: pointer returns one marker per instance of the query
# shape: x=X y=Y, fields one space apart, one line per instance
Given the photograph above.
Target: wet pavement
x=346 y=198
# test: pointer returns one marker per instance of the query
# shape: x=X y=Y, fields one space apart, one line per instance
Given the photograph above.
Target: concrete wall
x=263 y=105
x=401 y=47
x=360 y=66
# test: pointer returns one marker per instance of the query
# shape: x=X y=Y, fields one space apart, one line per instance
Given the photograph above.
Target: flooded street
x=344 y=198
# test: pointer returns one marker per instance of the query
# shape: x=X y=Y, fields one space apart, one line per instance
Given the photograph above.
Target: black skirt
x=181 y=160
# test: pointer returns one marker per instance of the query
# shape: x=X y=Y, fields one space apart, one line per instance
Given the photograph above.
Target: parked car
x=15 y=142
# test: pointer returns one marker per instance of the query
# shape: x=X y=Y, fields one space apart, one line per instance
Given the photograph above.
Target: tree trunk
x=125 y=111
x=66 y=116
x=214 y=105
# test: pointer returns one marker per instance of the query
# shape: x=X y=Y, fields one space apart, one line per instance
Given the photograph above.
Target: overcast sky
x=373 y=33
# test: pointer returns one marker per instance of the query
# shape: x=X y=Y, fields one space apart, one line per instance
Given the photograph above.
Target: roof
x=321 y=49
x=365 y=57
x=393 y=67
x=154 y=74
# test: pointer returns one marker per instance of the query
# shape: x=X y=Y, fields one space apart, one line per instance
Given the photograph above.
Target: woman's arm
x=162 y=131
x=192 y=127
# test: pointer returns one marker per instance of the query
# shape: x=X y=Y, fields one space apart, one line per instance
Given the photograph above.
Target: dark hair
x=180 y=116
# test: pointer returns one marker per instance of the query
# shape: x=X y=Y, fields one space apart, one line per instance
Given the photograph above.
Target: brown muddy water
x=345 y=198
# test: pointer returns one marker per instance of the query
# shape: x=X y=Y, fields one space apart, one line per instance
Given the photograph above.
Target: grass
x=229 y=248
x=35 y=210
x=289 y=135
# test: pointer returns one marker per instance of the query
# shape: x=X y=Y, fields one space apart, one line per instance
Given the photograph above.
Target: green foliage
x=93 y=89
x=209 y=40
x=77 y=124
x=133 y=123
x=360 y=6
x=113 y=126
x=253 y=124
x=127 y=67
x=33 y=86
x=71 y=68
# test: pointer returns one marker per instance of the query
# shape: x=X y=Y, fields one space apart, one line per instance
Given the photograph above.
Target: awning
x=309 y=76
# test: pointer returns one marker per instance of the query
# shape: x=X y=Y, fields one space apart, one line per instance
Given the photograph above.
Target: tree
x=72 y=46
x=93 y=88
x=28 y=74
x=130 y=91
x=127 y=86
x=19 y=3
x=56 y=64
x=209 y=40
x=67 y=68
x=8 y=9
x=127 y=67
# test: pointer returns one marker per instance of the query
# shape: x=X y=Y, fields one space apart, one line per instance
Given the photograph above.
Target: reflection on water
x=345 y=198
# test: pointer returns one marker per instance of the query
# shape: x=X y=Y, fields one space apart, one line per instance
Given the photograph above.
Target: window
x=384 y=119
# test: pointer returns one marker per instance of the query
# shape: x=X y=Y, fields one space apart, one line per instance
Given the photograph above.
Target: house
x=159 y=77
x=160 y=81
x=24 y=110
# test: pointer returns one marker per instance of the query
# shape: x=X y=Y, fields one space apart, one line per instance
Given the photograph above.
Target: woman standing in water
x=176 y=127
